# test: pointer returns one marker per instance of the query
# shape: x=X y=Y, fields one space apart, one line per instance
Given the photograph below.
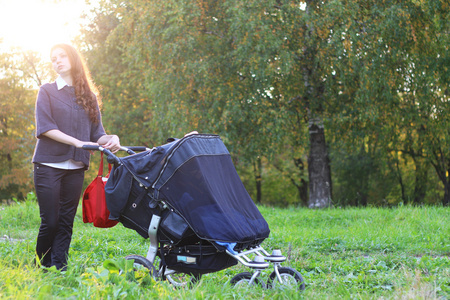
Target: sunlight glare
x=39 y=24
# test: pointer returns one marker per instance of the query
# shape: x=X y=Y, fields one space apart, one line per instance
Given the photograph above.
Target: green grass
x=354 y=253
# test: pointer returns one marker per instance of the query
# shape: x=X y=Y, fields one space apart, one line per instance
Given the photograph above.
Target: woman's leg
x=47 y=182
x=70 y=192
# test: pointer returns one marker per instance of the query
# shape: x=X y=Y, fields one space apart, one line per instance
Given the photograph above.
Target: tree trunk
x=257 y=172
x=303 y=186
x=303 y=192
x=421 y=179
x=302 y=189
x=446 y=200
x=443 y=173
x=320 y=189
x=400 y=181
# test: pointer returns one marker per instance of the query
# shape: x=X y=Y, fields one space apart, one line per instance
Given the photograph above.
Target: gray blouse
x=57 y=109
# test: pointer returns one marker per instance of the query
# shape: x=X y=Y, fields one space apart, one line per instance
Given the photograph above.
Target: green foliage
x=368 y=253
x=255 y=72
x=19 y=73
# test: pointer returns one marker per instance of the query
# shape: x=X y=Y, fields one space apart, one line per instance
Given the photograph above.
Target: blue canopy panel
x=200 y=182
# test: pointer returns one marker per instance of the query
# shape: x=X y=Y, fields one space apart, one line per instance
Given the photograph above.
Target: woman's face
x=60 y=61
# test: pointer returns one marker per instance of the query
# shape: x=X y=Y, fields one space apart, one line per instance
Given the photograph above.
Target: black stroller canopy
x=196 y=177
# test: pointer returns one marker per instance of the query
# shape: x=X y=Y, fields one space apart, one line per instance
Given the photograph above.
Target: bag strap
x=100 y=168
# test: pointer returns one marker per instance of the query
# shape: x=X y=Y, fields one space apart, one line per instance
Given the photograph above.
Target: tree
x=20 y=72
x=260 y=73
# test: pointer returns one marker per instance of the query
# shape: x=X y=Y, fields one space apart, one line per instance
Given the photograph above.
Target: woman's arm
x=61 y=137
x=110 y=142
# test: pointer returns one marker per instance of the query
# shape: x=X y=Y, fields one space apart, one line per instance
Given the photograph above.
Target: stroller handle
x=113 y=159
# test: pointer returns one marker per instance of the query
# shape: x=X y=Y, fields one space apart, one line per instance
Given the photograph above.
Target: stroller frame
x=250 y=255
x=259 y=261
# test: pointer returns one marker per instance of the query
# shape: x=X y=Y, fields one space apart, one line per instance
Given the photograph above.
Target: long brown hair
x=85 y=91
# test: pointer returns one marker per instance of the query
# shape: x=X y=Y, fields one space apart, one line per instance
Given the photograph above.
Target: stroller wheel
x=243 y=280
x=140 y=261
x=290 y=278
x=183 y=279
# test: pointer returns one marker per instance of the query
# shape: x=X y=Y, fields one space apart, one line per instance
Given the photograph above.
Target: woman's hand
x=110 y=142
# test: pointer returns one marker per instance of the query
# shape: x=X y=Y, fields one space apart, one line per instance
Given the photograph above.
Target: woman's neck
x=67 y=78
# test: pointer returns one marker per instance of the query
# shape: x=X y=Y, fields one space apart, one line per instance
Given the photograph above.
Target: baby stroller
x=188 y=200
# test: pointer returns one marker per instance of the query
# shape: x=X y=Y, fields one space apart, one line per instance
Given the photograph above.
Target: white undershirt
x=68 y=164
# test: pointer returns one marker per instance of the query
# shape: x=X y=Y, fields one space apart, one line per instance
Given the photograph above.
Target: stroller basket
x=197 y=259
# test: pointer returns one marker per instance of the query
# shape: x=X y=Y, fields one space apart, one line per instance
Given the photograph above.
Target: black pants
x=58 y=192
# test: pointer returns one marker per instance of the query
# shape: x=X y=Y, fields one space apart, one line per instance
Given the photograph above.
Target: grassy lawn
x=355 y=253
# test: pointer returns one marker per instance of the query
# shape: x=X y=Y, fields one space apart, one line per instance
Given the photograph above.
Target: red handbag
x=94 y=203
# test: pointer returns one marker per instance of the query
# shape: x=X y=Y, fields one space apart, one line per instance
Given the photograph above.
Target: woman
x=67 y=117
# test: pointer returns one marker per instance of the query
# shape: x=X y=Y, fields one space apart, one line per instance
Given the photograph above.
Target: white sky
x=39 y=24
